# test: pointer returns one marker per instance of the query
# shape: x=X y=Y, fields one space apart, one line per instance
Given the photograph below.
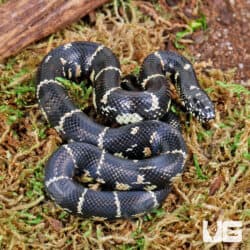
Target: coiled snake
x=153 y=151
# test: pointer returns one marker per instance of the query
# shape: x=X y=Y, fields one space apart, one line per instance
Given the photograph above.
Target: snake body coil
x=137 y=182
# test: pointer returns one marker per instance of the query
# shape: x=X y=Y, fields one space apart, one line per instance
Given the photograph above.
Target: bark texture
x=26 y=21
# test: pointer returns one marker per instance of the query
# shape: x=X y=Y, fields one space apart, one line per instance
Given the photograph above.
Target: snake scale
x=134 y=163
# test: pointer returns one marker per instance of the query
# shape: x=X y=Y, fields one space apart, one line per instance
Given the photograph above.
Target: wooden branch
x=26 y=21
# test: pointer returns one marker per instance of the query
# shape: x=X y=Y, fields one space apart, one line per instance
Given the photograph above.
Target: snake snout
x=202 y=108
x=206 y=111
x=209 y=113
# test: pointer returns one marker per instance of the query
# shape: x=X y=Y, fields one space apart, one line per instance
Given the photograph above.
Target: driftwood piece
x=26 y=21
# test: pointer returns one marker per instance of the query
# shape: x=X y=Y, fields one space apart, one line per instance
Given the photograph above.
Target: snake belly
x=135 y=162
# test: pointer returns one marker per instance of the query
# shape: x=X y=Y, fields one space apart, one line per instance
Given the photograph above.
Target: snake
x=134 y=164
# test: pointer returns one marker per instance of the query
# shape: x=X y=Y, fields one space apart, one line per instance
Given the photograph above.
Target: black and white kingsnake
x=152 y=151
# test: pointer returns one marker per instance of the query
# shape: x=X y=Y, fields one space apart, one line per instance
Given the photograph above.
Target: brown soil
x=227 y=40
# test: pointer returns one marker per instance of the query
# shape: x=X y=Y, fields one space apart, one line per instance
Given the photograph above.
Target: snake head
x=200 y=106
